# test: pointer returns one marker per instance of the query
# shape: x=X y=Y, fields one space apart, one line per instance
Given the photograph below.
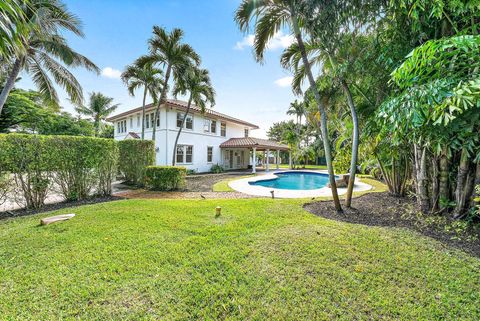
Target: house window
x=210 y=126
x=223 y=129
x=138 y=121
x=131 y=122
x=122 y=126
x=209 y=154
x=213 y=126
x=246 y=132
x=152 y=119
x=147 y=121
x=184 y=154
x=188 y=121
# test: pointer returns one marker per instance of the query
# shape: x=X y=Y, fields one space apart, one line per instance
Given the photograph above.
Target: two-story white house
x=206 y=139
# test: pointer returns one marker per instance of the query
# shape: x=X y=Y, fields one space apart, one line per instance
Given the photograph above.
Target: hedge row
x=165 y=178
x=135 y=156
x=77 y=167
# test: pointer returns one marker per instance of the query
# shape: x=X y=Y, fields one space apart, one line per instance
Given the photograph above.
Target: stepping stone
x=54 y=219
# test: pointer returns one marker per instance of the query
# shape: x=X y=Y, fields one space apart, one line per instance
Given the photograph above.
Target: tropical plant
x=138 y=75
x=168 y=50
x=47 y=19
x=13 y=28
x=195 y=82
x=269 y=17
x=99 y=108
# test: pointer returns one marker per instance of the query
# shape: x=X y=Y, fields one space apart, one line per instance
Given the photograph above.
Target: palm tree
x=269 y=16
x=99 y=108
x=47 y=19
x=297 y=108
x=197 y=83
x=145 y=75
x=12 y=29
x=167 y=50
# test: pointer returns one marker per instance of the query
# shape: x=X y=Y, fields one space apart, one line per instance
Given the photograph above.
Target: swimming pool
x=295 y=181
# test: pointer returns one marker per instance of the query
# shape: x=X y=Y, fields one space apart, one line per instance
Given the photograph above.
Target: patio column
x=268 y=160
x=278 y=159
x=254 y=157
x=289 y=159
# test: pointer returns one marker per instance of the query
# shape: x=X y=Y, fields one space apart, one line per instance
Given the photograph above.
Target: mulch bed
x=205 y=182
x=383 y=209
x=143 y=194
x=57 y=206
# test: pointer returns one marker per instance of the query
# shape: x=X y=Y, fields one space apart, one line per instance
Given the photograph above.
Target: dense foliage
x=135 y=156
x=76 y=167
x=165 y=178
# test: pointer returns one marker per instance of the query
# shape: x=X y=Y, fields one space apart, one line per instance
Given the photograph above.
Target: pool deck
x=243 y=186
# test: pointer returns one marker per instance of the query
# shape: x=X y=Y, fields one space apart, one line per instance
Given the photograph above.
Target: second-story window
x=223 y=129
x=122 y=126
x=188 y=121
x=213 y=126
x=147 y=121
x=246 y=132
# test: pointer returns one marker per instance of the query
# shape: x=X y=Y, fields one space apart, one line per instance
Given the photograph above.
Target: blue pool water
x=295 y=180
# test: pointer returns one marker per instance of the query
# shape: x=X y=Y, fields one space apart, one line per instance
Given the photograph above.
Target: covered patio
x=234 y=150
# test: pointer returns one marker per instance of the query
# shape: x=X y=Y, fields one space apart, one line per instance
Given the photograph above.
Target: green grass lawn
x=262 y=259
x=313 y=167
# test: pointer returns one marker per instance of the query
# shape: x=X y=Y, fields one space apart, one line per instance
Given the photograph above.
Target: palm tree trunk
x=463 y=169
x=143 y=112
x=321 y=108
x=162 y=98
x=353 y=163
x=180 y=130
x=96 y=125
x=443 y=192
x=17 y=66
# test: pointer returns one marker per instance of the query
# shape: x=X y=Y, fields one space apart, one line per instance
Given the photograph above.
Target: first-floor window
x=152 y=119
x=147 y=121
x=184 y=154
x=138 y=121
x=209 y=154
x=180 y=154
x=131 y=122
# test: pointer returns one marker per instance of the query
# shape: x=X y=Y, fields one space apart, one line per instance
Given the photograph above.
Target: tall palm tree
x=46 y=20
x=269 y=16
x=195 y=82
x=168 y=51
x=138 y=75
x=99 y=108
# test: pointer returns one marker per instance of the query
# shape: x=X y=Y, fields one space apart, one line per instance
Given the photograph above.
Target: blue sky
x=117 y=32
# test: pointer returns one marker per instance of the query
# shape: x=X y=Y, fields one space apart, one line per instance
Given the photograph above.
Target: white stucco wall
x=197 y=137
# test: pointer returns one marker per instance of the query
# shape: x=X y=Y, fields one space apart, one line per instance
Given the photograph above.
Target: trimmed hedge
x=135 y=156
x=165 y=178
x=77 y=166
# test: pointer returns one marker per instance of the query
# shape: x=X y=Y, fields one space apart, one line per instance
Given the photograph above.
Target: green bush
x=135 y=156
x=165 y=178
x=84 y=165
x=28 y=158
x=77 y=166
x=216 y=169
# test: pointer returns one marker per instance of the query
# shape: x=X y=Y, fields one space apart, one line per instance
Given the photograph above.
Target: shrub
x=84 y=165
x=80 y=166
x=135 y=156
x=165 y=178
x=217 y=169
x=28 y=158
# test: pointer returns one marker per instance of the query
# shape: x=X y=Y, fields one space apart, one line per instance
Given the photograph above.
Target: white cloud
x=284 y=82
x=279 y=41
x=110 y=72
x=246 y=42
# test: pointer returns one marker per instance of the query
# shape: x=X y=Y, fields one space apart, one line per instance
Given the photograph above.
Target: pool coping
x=242 y=185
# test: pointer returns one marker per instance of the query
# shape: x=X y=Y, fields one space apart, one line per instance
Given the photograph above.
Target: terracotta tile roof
x=251 y=142
x=172 y=103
